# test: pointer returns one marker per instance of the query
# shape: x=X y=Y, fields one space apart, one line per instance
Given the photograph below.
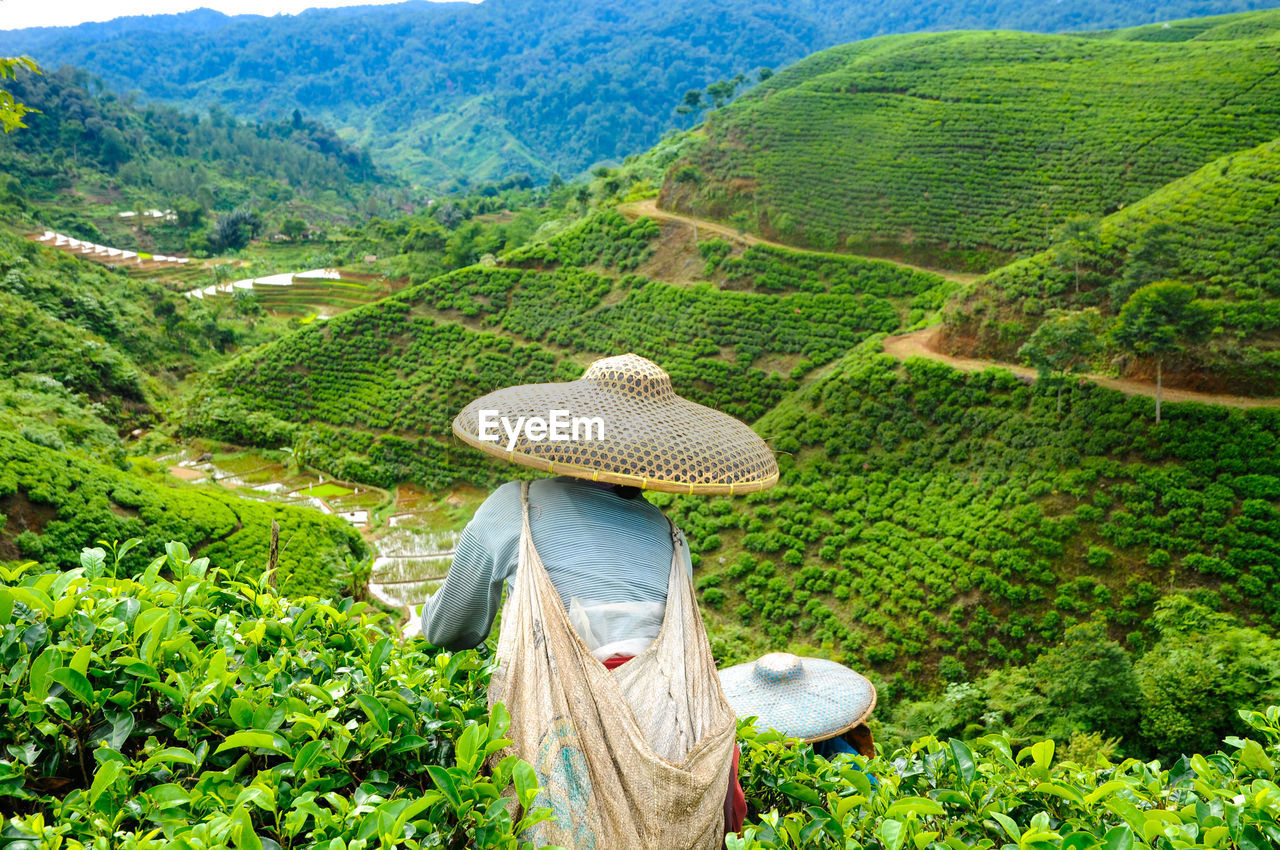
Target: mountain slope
x=929 y=525
x=932 y=524
x=1218 y=229
x=961 y=148
x=460 y=91
x=88 y=154
x=370 y=394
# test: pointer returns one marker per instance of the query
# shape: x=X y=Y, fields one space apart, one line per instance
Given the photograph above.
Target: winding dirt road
x=649 y=209
x=920 y=344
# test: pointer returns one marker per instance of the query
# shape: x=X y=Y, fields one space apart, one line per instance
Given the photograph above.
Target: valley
x=1002 y=302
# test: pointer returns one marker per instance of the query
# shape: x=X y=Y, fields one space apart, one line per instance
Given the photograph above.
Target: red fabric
x=735 y=801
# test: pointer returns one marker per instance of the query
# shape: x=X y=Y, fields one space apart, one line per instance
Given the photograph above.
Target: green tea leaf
x=245 y=837
x=1118 y=838
x=914 y=805
x=102 y=780
x=801 y=792
x=963 y=757
x=376 y=712
x=526 y=782
x=892 y=834
x=445 y=783
x=255 y=740
x=75 y=683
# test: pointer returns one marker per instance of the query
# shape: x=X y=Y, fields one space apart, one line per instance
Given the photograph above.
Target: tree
x=1205 y=666
x=1089 y=678
x=1077 y=240
x=293 y=229
x=1158 y=320
x=1147 y=260
x=692 y=101
x=765 y=73
x=190 y=215
x=12 y=112
x=1063 y=343
x=233 y=231
x=721 y=92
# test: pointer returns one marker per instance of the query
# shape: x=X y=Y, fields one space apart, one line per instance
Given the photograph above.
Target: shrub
x=193 y=700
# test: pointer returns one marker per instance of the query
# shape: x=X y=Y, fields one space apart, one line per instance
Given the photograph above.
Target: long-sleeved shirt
x=596 y=546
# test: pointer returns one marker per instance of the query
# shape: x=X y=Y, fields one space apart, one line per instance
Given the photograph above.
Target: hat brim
x=828 y=700
x=668 y=444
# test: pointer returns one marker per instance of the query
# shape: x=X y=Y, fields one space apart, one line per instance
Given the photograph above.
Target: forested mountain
x=961 y=149
x=87 y=155
x=473 y=92
x=1217 y=230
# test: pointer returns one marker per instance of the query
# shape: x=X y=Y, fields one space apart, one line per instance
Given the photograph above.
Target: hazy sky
x=17 y=14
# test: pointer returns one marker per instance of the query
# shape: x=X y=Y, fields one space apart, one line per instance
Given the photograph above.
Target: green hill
x=53 y=504
x=930 y=526
x=86 y=355
x=370 y=394
x=473 y=92
x=1218 y=229
x=962 y=148
x=87 y=155
x=930 y=522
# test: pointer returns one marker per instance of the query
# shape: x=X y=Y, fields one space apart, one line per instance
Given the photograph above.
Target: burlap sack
x=636 y=757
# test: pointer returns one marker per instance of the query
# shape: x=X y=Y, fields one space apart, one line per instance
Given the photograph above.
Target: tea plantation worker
x=604 y=663
x=818 y=701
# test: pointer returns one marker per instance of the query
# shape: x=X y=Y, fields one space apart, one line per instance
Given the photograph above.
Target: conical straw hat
x=807 y=698
x=652 y=438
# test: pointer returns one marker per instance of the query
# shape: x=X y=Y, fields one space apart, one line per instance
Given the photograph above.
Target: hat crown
x=778 y=667
x=631 y=375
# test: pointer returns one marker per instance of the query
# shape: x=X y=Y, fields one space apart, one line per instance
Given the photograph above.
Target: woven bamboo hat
x=807 y=698
x=625 y=425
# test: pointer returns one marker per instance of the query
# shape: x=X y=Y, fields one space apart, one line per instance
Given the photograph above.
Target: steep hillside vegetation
x=473 y=92
x=54 y=504
x=87 y=156
x=1217 y=229
x=76 y=345
x=961 y=148
x=376 y=388
x=933 y=524
x=930 y=526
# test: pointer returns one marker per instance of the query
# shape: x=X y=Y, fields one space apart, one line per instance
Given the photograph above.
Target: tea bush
x=606 y=239
x=191 y=705
x=924 y=513
x=959 y=148
x=1216 y=229
x=370 y=394
x=938 y=794
x=53 y=504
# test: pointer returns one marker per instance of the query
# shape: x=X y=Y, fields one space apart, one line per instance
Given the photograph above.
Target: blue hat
x=807 y=698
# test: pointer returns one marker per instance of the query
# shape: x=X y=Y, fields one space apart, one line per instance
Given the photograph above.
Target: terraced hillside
x=959 y=148
x=932 y=524
x=370 y=394
x=1217 y=229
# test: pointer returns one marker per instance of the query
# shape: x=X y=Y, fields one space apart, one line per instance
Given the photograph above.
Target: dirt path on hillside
x=649 y=208
x=921 y=344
